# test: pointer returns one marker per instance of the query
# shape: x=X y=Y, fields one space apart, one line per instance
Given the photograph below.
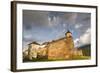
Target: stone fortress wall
x=58 y=49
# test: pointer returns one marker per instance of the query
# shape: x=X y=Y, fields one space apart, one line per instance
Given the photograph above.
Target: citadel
x=62 y=48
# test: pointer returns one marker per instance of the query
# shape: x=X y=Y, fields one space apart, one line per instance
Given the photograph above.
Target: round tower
x=69 y=40
x=68 y=34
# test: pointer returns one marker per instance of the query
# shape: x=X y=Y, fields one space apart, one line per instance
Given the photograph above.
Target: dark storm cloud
x=31 y=18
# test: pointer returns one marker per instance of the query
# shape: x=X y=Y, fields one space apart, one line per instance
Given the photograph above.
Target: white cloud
x=28 y=36
x=53 y=21
x=76 y=41
x=78 y=26
x=64 y=25
x=83 y=39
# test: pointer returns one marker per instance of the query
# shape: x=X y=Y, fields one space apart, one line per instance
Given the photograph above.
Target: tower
x=68 y=34
x=69 y=40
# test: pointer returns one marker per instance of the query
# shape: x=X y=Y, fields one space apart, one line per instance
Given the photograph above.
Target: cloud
x=69 y=18
x=83 y=39
x=53 y=21
x=37 y=18
x=86 y=38
x=28 y=36
x=44 y=26
x=77 y=26
x=76 y=42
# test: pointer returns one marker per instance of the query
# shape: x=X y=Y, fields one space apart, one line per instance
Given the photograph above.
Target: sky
x=45 y=26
